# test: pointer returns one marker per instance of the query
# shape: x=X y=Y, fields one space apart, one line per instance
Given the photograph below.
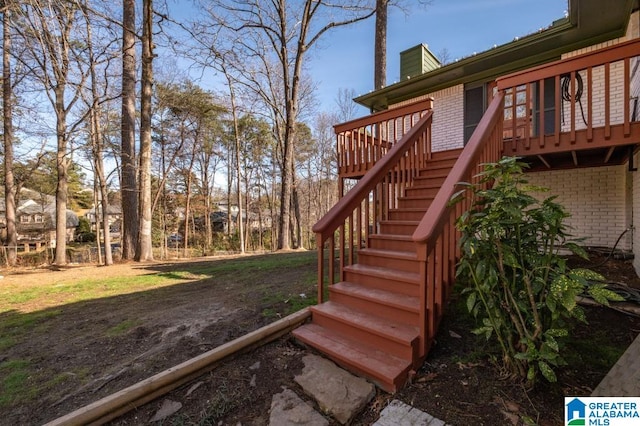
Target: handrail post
x=320 y=248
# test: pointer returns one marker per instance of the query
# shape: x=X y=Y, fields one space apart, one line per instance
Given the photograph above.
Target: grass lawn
x=93 y=328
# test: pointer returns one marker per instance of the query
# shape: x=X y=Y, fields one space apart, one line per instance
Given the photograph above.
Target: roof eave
x=567 y=34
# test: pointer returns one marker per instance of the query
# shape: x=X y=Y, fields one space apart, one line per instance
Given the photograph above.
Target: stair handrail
x=336 y=216
x=436 y=236
x=436 y=215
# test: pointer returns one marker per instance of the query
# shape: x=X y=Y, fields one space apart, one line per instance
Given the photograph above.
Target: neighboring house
x=114 y=213
x=251 y=220
x=565 y=99
x=35 y=218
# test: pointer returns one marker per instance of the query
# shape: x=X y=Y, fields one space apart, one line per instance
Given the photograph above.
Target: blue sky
x=344 y=59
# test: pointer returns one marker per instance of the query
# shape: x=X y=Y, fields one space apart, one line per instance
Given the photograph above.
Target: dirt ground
x=459 y=382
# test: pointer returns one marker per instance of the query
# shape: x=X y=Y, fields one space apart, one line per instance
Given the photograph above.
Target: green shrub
x=516 y=282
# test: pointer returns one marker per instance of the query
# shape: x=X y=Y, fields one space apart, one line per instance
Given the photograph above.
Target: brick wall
x=596 y=197
x=448 y=117
x=635 y=178
x=634 y=32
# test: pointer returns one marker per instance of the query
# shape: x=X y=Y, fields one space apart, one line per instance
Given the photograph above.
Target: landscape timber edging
x=116 y=404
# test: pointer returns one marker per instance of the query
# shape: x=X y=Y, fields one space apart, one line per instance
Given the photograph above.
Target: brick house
x=564 y=99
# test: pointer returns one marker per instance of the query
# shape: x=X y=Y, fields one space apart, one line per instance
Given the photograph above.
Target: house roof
x=113 y=209
x=589 y=22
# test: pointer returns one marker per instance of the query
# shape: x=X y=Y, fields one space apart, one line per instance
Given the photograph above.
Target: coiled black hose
x=565 y=84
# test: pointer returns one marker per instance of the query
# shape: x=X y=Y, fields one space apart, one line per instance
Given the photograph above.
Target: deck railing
x=586 y=100
x=346 y=227
x=364 y=141
x=436 y=235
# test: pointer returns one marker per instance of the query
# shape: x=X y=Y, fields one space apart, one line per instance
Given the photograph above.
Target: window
x=474 y=107
x=25 y=218
x=38 y=218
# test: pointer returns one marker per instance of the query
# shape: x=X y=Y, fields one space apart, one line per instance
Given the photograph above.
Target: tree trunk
x=9 y=187
x=260 y=229
x=275 y=223
x=287 y=182
x=103 y=195
x=128 y=184
x=295 y=201
x=234 y=114
x=96 y=202
x=380 y=49
x=144 y=249
x=229 y=189
x=62 y=186
x=207 y=204
x=187 y=205
x=100 y=191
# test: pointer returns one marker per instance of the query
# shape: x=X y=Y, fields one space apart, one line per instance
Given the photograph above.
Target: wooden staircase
x=370 y=324
x=387 y=250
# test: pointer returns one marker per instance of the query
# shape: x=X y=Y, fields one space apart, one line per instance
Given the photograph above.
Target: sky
x=344 y=58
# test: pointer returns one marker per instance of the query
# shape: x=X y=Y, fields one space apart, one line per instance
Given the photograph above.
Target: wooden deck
x=585 y=121
x=388 y=248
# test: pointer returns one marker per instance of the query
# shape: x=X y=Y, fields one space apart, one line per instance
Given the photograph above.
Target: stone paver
x=624 y=377
x=287 y=409
x=397 y=413
x=337 y=392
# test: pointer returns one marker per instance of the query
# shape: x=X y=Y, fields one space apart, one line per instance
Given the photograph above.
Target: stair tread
x=383 y=272
x=431 y=185
x=391 y=330
x=440 y=163
x=410 y=209
x=416 y=197
x=396 y=254
x=368 y=359
x=397 y=300
x=399 y=237
x=400 y=222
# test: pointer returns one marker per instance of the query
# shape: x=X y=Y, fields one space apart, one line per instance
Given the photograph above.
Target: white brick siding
x=448 y=117
x=635 y=177
x=595 y=197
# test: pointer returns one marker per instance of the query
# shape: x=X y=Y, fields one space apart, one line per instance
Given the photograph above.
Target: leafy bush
x=517 y=284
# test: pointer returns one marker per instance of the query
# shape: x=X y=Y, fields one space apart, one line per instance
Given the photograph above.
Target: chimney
x=416 y=61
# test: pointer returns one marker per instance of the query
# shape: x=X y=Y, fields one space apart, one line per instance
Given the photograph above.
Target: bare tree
x=144 y=249
x=444 y=56
x=236 y=140
x=101 y=207
x=54 y=60
x=7 y=109
x=272 y=38
x=128 y=182
x=346 y=106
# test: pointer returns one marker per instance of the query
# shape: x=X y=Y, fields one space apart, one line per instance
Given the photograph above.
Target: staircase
x=370 y=324
x=387 y=250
